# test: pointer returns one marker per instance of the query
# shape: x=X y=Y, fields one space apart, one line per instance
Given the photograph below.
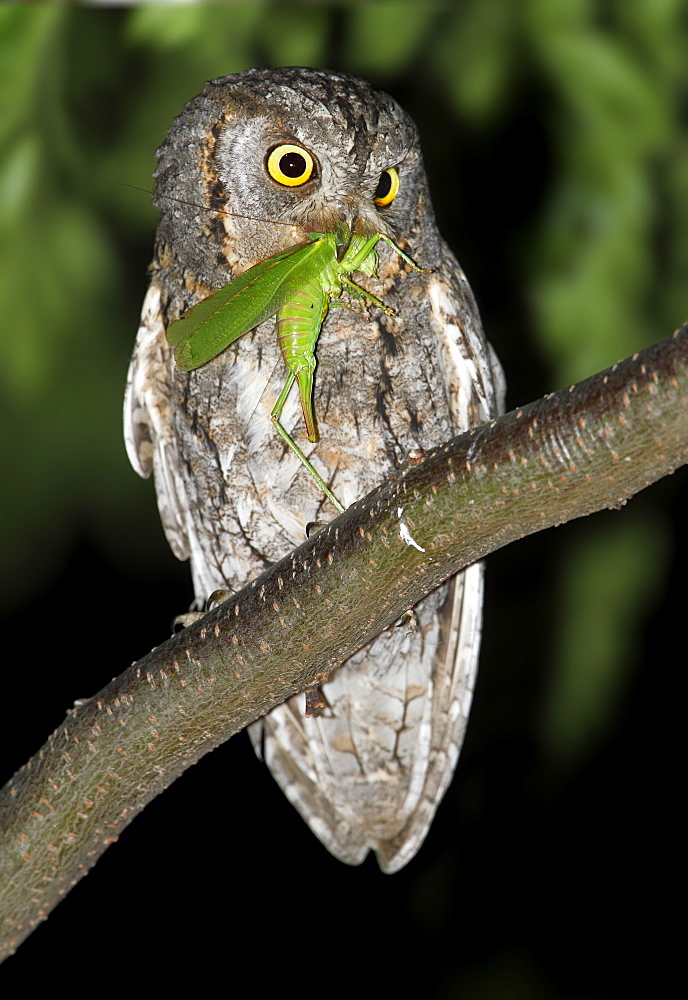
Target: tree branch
x=574 y=452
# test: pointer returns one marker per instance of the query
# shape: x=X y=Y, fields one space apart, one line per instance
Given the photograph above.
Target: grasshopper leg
x=404 y=256
x=276 y=414
x=363 y=293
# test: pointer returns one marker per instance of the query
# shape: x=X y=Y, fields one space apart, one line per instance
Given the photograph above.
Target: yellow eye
x=387 y=187
x=290 y=165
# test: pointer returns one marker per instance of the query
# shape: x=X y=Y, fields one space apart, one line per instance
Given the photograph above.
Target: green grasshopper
x=296 y=286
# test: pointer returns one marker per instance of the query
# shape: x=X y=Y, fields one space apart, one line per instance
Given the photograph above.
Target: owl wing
x=149 y=428
x=369 y=772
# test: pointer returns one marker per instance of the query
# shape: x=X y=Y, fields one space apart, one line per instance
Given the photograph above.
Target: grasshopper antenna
x=205 y=208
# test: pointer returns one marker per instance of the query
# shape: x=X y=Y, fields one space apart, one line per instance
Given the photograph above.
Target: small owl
x=368 y=771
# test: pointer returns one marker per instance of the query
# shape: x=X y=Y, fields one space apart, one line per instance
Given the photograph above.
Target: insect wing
x=225 y=315
x=194 y=318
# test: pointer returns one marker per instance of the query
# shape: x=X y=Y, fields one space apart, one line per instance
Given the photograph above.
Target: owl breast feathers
x=252 y=167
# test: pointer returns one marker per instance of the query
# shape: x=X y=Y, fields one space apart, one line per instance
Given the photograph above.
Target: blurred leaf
x=24 y=36
x=18 y=179
x=656 y=28
x=605 y=86
x=475 y=57
x=673 y=240
x=384 y=36
x=171 y=29
x=295 y=34
x=72 y=261
x=592 y=262
x=609 y=578
x=216 y=38
x=57 y=277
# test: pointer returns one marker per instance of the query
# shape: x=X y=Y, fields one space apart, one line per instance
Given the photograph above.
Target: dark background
x=558 y=160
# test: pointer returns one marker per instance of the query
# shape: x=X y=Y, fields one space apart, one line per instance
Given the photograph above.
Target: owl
x=369 y=769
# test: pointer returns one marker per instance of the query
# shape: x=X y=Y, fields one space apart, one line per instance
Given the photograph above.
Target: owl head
x=260 y=159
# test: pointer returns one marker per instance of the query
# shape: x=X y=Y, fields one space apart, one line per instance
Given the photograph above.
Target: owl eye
x=387 y=187
x=290 y=165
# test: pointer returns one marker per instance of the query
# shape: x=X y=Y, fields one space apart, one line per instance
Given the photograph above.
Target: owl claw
x=188 y=618
x=410 y=620
x=314 y=701
x=217 y=597
x=313 y=527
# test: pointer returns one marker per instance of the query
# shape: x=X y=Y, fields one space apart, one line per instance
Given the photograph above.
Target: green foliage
x=476 y=56
x=594 y=258
x=608 y=576
x=385 y=37
x=593 y=269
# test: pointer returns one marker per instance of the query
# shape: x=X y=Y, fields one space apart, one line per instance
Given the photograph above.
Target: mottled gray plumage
x=370 y=770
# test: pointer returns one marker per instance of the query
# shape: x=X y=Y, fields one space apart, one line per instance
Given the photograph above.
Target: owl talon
x=217 y=597
x=410 y=620
x=313 y=527
x=188 y=618
x=314 y=701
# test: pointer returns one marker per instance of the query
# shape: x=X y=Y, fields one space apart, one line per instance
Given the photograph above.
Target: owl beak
x=343 y=214
x=350 y=215
x=362 y=218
